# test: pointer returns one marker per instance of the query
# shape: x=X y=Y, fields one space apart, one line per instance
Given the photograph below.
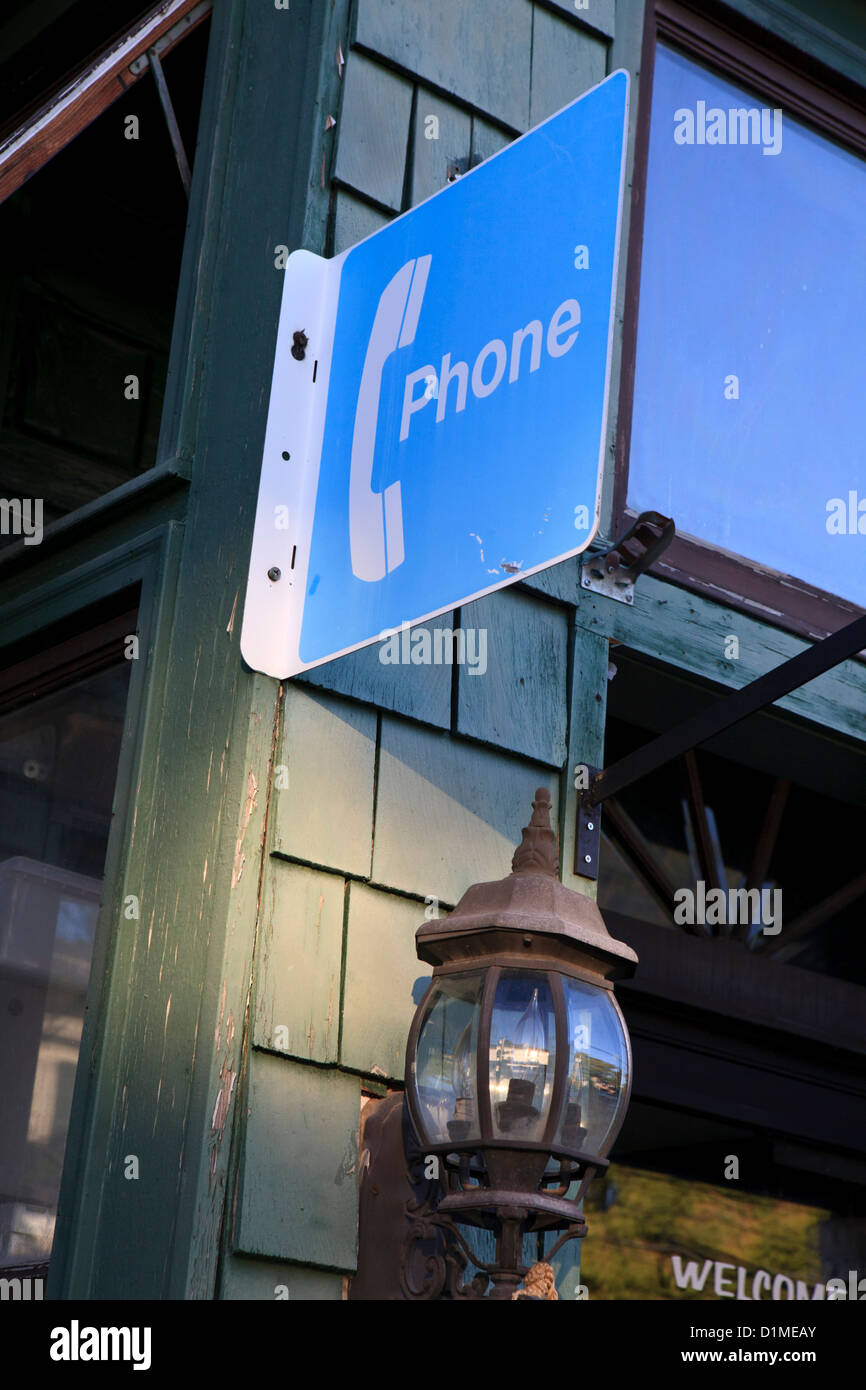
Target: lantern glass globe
x=517 y=1092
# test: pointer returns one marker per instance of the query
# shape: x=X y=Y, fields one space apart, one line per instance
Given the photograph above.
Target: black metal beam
x=728 y=711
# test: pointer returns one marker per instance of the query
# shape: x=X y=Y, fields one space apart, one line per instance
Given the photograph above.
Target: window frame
x=27 y=145
x=58 y=631
x=86 y=644
x=835 y=107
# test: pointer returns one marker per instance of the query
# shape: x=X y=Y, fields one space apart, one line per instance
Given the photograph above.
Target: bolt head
x=587 y=859
x=274 y=574
x=590 y=825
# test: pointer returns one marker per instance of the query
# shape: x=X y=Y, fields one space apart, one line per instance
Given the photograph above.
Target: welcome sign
x=715 y=1242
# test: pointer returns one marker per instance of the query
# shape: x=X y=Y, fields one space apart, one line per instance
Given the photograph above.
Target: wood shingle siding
x=453 y=47
x=380 y=929
x=299 y=1169
x=519 y=703
x=298 y=965
x=373 y=131
x=448 y=813
x=325 y=815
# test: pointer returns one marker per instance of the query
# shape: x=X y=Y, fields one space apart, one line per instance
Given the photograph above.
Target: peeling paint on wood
x=240 y=858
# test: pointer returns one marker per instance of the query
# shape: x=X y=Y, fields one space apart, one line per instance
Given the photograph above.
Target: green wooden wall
x=284 y=840
x=401 y=785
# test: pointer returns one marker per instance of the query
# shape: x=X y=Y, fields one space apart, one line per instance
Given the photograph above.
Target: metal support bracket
x=615 y=572
x=588 y=838
x=170 y=119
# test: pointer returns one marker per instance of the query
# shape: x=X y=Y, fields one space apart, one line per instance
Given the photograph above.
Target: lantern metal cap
x=530 y=912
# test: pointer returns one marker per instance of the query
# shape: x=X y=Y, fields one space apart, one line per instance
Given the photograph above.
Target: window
x=92 y=237
x=748 y=414
x=61 y=721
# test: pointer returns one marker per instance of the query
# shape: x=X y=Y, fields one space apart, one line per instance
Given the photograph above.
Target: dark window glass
x=58 y=763
x=42 y=42
x=749 y=413
x=91 y=251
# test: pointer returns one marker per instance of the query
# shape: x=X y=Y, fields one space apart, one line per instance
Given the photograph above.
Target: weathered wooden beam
x=691 y=633
x=79 y=101
x=730 y=710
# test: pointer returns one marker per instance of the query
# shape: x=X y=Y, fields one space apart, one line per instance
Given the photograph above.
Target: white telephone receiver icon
x=376 y=518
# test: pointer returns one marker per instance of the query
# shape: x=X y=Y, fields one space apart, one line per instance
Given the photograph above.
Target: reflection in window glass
x=58 y=762
x=749 y=411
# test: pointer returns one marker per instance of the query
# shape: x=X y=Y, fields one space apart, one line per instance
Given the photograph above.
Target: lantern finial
x=536 y=853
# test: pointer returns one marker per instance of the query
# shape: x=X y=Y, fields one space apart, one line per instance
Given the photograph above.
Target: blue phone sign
x=455 y=431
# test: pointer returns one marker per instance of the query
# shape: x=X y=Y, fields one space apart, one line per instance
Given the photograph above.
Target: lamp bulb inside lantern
x=463 y=1085
x=529 y=1055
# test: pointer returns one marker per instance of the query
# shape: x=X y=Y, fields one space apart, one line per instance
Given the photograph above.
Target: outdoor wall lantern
x=518 y=1071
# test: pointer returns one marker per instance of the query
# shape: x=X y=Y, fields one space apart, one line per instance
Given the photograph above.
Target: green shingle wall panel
x=448 y=813
x=566 y=62
x=299 y=1197
x=299 y=952
x=421 y=692
x=354 y=220
x=519 y=701
x=379 y=1003
x=479 y=53
x=443 y=138
x=595 y=14
x=487 y=139
x=257 y=1280
x=327 y=756
x=373 y=131
x=560 y=581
